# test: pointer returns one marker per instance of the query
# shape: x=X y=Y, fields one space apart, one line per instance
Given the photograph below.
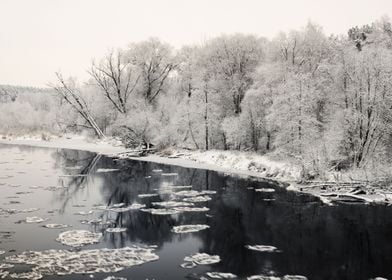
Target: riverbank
x=238 y=163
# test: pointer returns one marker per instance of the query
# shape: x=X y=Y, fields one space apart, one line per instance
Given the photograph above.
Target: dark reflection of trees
x=66 y=159
x=320 y=242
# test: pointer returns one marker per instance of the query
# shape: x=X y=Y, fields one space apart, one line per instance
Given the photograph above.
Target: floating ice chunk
x=78 y=238
x=169 y=204
x=56 y=226
x=263 y=277
x=26 y=275
x=2 y=252
x=6 y=266
x=117 y=205
x=262 y=248
x=84 y=213
x=191 y=209
x=64 y=262
x=160 y=211
x=114 y=278
x=188 y=193
x=294 y=277
x=3 y=274
x=202 y=258
x=16 y=211
x=202 y=198
x=157 y=170
x=208 y=192
x=34 y=220
x=134 y=206
x=143 y=195
x=104 y=170
x=170 y=189
x=98 y=221
x=221 y=275
x=116 y=230
x=267 y=190
x=169 y=174
x=189 y=228
x=188 y=265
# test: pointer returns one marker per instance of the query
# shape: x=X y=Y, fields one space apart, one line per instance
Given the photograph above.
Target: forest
x=321 y=100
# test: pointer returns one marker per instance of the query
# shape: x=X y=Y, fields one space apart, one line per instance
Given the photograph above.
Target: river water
x=92 y=193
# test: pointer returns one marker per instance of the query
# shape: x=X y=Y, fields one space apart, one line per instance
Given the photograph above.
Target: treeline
x=323 y=100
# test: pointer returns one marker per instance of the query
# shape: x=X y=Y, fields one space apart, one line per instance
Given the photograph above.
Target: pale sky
x=39 y=37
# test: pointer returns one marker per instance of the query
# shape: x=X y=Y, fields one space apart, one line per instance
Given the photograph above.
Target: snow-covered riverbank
x=230 y=162
x=242 y=163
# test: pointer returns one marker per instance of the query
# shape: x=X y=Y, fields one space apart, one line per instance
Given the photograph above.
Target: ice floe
x=144 y=195
x=98 y=221
x=104 y=170
x=202 y=259
x=78 y=238
x=121 y=208
x=56 y=226
x=266 y=190
x=191 y=209
x=262 y=248
x=64 y=262
x=6 y=265
x=160 y=211
x=116 y=230
x=2 y=252
x=221 y=275
x=189 y=228
x=188 y=193
x=84 y=213
x=202 y=198
x=169 y=204
x=286 y=277
x=114 y=278
x=188 y=265
x=16 y=211
x=134 y=206
x=262 y=277
x=169 y=174
x=208 y=192
x=34 y=219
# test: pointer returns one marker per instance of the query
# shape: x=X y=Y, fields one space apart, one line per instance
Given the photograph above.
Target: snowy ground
x=231 y=162
x=75 y=142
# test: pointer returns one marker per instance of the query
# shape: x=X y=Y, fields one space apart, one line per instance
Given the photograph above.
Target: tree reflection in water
x=321 y=242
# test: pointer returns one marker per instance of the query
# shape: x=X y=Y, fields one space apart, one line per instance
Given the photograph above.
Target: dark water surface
x=348 y=241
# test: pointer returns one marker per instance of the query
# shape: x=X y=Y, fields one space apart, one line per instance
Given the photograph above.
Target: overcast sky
x=39 y=37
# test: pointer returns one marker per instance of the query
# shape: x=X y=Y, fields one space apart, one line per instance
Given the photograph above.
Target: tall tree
x=117 y=78
x=71 y=94
x=155 y=62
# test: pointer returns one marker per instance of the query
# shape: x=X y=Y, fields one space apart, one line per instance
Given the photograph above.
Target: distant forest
x=325 y=101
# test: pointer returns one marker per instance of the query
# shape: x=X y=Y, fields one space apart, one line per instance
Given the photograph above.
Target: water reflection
x=317 y=241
